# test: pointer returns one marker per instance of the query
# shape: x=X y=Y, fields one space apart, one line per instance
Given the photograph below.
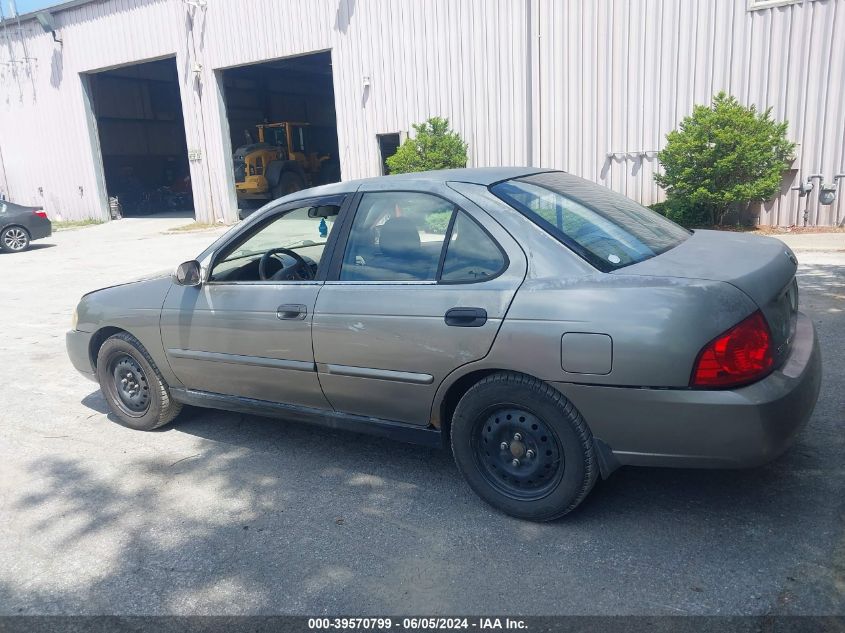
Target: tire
x=14 y=239
x=132 y=385
x=289 y=182
x=329 y=172
x=508 y=416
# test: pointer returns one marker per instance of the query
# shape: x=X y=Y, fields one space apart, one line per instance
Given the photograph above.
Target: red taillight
x=41 y=214
x=741 y=355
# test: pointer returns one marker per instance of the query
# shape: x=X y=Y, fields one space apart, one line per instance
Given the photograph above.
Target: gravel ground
x=227 y=514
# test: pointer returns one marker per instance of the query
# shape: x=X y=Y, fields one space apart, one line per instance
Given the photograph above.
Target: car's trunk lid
x=762 y=267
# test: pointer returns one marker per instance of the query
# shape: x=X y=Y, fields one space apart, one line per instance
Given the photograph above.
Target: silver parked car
x=545 y=327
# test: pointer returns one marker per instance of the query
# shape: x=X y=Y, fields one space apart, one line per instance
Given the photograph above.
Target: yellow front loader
x=278 y=164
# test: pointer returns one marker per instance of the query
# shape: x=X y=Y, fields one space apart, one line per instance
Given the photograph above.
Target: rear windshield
x=607 y=229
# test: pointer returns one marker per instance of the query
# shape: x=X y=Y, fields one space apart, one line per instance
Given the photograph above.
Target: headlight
x=74 y=319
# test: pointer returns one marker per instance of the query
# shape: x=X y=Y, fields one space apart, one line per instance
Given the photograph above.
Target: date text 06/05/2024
x=415 y=623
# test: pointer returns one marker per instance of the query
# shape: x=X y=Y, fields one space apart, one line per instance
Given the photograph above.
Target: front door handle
x=466 y=317
x=291 y=311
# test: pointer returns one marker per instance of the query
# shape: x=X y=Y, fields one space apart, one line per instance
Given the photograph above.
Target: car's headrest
x=399 y=237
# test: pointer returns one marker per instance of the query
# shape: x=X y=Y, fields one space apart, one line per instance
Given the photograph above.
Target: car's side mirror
x=188 y=274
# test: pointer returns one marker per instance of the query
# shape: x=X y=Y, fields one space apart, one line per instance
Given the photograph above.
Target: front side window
x=607 y=229
x=290 y=244
x=396 y=236
x=277 y=136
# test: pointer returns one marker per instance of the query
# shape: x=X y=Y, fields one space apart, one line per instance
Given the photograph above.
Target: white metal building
x=589 y=86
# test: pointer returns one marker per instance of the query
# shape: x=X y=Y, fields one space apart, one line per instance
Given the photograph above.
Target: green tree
x=434 y=146
x=724 y=156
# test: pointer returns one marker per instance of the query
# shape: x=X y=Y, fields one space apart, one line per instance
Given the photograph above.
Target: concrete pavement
x=226 y=514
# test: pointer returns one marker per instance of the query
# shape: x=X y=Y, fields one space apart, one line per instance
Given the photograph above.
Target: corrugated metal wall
x=617 y=76
x=592 y=87
x=45 y=129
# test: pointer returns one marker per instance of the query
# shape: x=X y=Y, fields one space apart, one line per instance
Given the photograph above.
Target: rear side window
x=471 y=254
x=607 y=229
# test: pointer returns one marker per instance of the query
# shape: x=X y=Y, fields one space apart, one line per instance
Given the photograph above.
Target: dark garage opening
x=142 y=138
x=283 y=127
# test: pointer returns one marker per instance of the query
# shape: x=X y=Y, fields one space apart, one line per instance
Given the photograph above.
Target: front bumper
x=734 y=428
x=252 y=187
x=78 y=346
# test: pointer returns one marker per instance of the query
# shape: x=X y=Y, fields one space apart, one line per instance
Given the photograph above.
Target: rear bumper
x=41 y=229
x=707 y=429
x=78 y=344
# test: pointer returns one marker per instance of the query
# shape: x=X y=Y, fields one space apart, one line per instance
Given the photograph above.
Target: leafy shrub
x=723 y=155
x=689 y=215
x=437 y=222
x=434 y=146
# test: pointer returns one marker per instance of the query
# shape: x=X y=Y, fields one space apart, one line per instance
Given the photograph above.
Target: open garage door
x=283 y=127
x=142 y=138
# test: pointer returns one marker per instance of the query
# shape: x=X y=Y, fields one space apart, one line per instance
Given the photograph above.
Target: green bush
x=437 y=222
x=689 y=215
x=434 y=146
x=723 y=156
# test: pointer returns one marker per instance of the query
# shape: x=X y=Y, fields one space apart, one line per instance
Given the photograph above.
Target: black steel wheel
x=517 y=453
x=132 y=385
x=14 y=239
x=523 y=447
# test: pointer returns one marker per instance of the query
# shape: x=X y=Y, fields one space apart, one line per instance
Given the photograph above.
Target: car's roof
x=475 y=175
x=17 y=208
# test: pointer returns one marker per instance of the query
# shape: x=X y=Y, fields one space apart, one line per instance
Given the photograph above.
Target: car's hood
x=127 y=306
x=161 y=274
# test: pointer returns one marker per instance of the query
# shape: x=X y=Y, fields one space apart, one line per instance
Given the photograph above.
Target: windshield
x=276 y=136
x=607 y=229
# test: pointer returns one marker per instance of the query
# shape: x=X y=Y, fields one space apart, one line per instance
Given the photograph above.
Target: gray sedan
x=546 y=328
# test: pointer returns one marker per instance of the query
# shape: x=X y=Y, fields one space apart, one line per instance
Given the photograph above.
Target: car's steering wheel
x=301 y=265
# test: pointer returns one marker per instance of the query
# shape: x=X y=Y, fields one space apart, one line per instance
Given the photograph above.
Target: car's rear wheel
x=523 y=447
x=132 y=385
x=14 y=239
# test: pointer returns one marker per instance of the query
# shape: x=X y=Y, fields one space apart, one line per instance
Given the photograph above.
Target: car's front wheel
x=14 y=239
x=132 y=385
x=523 y=447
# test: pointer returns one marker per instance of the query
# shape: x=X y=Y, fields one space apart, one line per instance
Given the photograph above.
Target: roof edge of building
x=62 y=6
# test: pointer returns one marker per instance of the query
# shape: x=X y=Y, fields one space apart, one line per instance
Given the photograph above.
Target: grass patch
x=193 y=226
x=66 y=225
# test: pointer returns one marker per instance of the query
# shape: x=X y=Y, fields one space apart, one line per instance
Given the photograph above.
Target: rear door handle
x=291 y=311
x=466 y=317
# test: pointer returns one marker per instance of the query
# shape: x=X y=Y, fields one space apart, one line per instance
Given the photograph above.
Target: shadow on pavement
x=32 y=247
x=824 y=282
x=262 y=516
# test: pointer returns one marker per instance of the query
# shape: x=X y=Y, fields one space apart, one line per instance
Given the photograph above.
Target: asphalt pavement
x=222 y=513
